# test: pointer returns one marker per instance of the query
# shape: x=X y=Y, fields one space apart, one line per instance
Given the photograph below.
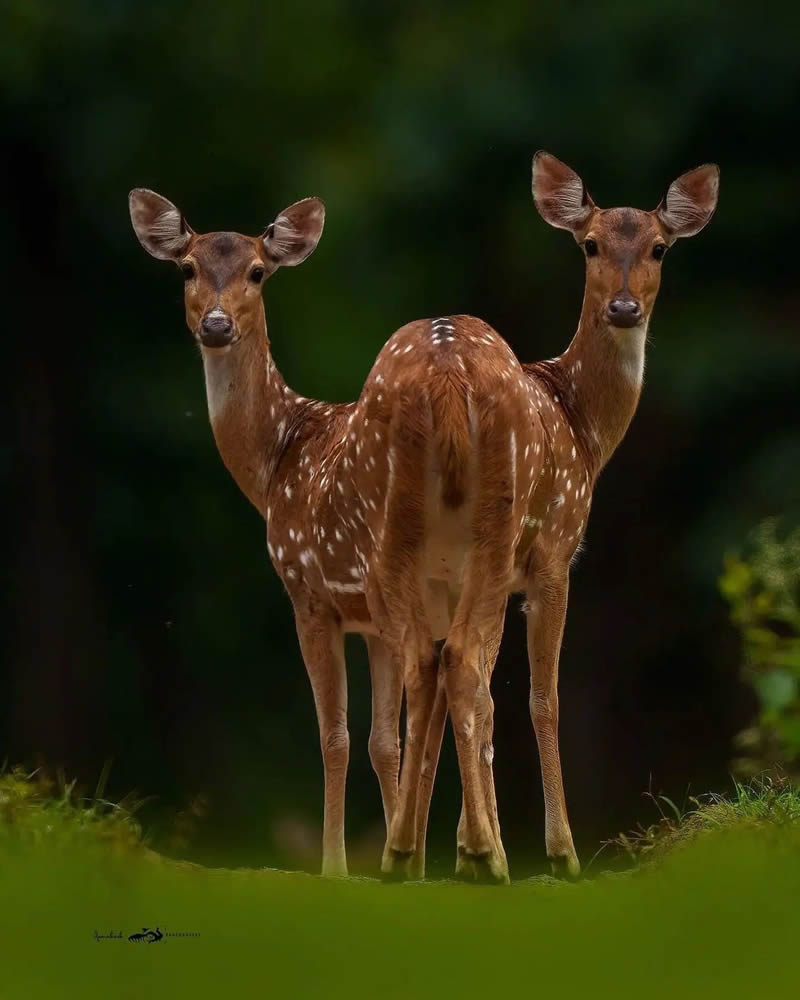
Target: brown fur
x=451 y=430
x=409 y=516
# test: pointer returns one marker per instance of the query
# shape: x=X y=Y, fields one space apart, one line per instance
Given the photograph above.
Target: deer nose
x=624 y=312
x=216 y=330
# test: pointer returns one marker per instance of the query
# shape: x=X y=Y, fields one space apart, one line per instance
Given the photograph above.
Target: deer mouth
x=217 y=341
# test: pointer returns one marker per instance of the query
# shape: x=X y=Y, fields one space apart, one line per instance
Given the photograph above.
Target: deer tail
x=452 y=435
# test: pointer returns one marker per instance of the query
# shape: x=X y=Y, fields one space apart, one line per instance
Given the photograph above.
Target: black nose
x=624 y=312
x=216 y=330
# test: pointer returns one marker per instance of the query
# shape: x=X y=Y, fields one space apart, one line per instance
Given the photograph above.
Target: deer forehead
x=221 y=257
x=625 y=229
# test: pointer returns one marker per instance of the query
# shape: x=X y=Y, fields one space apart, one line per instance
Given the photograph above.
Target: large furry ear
x=690 y=201
x=294 y=234
x=559 y=194
x=158 y=224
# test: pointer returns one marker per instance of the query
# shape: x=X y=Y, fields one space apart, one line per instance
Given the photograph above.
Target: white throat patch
x=219 y=379
x=631 y=344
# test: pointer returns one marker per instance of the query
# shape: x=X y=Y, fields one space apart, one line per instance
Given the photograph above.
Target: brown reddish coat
x=459 y=476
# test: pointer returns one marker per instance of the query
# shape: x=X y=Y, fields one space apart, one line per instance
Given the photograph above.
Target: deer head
x=624 y=247
x=223 y=272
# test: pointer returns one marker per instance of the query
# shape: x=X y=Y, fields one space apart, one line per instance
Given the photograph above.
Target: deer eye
x=187 y=270
x=659 y=250
x=257 y=274
x=590 y=247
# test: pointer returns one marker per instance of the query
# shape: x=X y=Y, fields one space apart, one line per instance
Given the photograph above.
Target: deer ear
x=690 y=201
x=158 y=224
x=559 y=194
x=294 y=234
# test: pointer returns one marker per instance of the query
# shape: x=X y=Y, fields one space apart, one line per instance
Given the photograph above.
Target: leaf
x=776 y=689
x=761 y=637
x=736 y=579
x=789 y=658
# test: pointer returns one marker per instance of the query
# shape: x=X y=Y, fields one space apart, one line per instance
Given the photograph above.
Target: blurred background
x=142 y=621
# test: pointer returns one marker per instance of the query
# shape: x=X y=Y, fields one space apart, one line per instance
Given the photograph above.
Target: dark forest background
x=142 y=621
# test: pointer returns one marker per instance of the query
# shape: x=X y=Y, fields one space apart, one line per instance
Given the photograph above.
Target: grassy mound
x=767 y=807
x=717 y=917
x=38 y=810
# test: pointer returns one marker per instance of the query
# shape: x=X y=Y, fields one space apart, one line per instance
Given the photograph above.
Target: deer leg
x=430 y=762
x=548 y=600
x=395 y=600
x=476 y=846
x=466 y=866
x=466 y=683
x=322 y=645
x=486 y=750
x=473 y=639
x=420 y=686
x=384 y=743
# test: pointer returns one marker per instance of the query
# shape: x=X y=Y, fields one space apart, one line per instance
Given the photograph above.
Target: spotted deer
x=570 y=413
x=458 y=477
x=352 y=493
x=296 y=460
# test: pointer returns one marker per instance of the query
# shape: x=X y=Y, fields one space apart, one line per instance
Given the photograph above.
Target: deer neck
x=249 y=406
x=601 y=373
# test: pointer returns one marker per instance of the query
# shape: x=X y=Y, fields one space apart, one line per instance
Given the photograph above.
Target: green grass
x=718 y=916
x=768 y=805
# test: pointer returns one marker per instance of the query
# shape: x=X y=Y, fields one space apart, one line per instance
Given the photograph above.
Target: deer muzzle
x=624 y=312
x=216 y=329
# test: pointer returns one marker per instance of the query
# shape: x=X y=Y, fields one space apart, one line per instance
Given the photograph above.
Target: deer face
x=223 y=272
x=624 y=247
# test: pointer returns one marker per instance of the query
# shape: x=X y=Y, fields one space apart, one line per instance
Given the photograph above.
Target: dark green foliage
x=142 y=620
x=762 y=586
x=54 y=814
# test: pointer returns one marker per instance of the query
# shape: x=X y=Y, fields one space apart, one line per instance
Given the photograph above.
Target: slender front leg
x=322 y=645
x=548 y=597
x=384 y=742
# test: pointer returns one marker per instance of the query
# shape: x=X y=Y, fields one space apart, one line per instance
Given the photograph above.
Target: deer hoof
x=399 y=865
x=486 y=868
x=565 y=866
